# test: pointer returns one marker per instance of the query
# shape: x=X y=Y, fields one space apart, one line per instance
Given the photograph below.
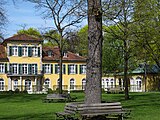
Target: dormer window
x=49 y=53
x=65 y=54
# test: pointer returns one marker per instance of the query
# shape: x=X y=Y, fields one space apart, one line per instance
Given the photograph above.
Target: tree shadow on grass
x=32 y=116
x=15 y=98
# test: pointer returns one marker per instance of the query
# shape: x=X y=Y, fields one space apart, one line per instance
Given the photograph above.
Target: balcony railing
x=40 y=72
x=44 y=88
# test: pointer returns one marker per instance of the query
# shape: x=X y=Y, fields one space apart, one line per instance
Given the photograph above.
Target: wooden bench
x=58 y=97
x=115 y=90
x=84 y=111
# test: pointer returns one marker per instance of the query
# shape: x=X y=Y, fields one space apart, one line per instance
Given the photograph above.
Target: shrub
x=25 y=92
x=49 y=91
x=16 y=90
x=10 y=92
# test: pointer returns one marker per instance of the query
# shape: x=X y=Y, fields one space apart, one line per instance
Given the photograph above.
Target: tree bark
x=126 y=70
x=94 y=61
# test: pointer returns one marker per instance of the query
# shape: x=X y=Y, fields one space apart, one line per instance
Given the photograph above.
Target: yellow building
x=26 y=65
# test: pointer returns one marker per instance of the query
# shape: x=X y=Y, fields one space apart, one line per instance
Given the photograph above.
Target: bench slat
x=99 y=108
x=90 y=110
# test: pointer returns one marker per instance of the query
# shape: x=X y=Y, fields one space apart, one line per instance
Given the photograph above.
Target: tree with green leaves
x=147 y=28
x=112 y=59
x=119 y=14
x=30 y=31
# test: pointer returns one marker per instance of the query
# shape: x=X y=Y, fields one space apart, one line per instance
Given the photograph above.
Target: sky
x=23 y=14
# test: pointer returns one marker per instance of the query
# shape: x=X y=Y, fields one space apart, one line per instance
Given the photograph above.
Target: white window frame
x=83 y=84
x=28 y=85
x=107 y=82
x=72 y=69
x=83 y=69
x=15 y=51
x=72 y=84
x=15 y=68
x=47 y=68
x=58 y=68
x=49 y=53
x=35 y=51
x=25 y=69
x=34 y=68
x=24 y=51
x=2 y=68
x=2 y=84
x=15 y=84
x=47 y=83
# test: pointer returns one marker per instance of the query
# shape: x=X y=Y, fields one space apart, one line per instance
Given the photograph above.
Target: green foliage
x=50 y=91
x=31 y=31
x=16 y=90
x=147 y=29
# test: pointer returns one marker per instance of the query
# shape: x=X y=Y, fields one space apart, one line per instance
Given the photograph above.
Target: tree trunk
x=94 y=62
x=126 y=71
x=60 y=65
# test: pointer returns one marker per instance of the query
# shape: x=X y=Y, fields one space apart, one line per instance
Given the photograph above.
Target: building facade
x=26 y=65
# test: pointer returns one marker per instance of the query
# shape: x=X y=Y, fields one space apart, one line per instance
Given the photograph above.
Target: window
x=47 y=68
x=24 y=69
x=57 y=69
x=111 y=83
x=72 y=69
x=2 y=68
x=15 y=51
x=82 y=69
x=83 y=84
x=1 y=84
x=72 y=83
x=14 y=69
x=47 y=83
x=15 y=84
x=24 y=51
x=103 y=83
x=34 y=68
x=107 y=82
x=49 y=53
x=35 y=51
x=139 y=83
x=27 y=84
x=65 y=54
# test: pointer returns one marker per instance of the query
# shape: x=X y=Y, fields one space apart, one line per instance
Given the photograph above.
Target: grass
x=144 y=106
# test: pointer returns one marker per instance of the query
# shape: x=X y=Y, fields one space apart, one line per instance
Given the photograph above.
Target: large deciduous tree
x=30 y=31
x=94 y=61
x=147 y=29
x=119 y=13
x=64 y=14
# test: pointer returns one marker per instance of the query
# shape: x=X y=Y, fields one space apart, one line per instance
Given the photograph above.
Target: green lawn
x=144 y=106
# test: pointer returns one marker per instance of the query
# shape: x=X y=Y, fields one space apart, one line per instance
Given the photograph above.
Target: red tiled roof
x=22 y=37
x=56 y=54
x=3 y=55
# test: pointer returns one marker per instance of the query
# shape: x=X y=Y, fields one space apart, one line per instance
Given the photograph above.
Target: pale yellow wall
x=4 y=77
x=25 y=59
x=66 y=78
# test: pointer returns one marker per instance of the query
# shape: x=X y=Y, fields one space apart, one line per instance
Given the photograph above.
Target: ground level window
x=47 y=83
x=72 y=83
x=83 y=84
x=15 y=84
x=27 y=85
x=1 y=84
